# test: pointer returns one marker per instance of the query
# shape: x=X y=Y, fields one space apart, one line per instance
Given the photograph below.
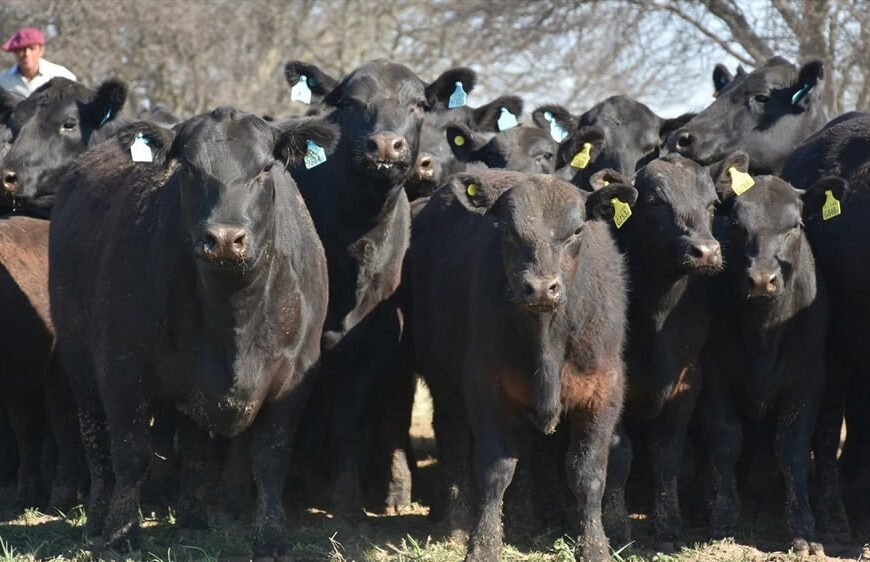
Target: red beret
x=24 y=37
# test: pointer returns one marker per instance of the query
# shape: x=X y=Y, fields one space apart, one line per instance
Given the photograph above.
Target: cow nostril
x=555 y=289
x=698 y=252
x=684 y=140
x=239 y=240
x=372 y=145
x=210 y=242
x=10 y=179
x=398 y=145
x=425 y=163
x=528 y=289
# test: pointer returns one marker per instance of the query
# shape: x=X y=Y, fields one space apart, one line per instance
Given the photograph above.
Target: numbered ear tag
x=740 y=181
x=506 y=120
x=621 y=212
x=459 y=140
x=581 y=159
x=139 y=150
x=831 y=208
x=301 y=92
x=458 y=97
x=315 y=155
x=556 y=130
x=471 y=189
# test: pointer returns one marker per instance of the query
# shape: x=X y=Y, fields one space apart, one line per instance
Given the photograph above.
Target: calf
x=765 y=113
x=519 y=317
x=670 y=247
x=204 y=293
x=766 y=350
x=522 y=149
x=59 y=121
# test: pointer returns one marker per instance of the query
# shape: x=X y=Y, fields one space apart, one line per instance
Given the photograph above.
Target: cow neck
x=366 y=204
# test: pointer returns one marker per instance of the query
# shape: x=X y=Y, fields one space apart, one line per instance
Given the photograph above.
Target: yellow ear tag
x=831 y=208
x=471 y=189
x=459 y=140
x=581 y=159
x=621 y=212
x=740 y=181
x=604 y=183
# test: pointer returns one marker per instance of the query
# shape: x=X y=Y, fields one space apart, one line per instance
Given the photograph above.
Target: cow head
x=765 y=113
x=522 y=149
x=228 y=167
x=765 y=233
x=671 y=224
x=541 y=222
x=49 y=129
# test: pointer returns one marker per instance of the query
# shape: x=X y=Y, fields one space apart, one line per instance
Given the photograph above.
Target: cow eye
x=761 y=98
x=422 y=105
x=547 y=156
x=68 y=125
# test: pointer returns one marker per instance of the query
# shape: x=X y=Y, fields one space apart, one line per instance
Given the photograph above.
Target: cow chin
x=382 y=171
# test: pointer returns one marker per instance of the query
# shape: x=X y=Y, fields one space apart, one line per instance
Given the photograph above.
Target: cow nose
x=386 y=147
x=762 y=283
x=685 y=141
x=10 y=180
x=706 y=253
x=225 y=242
x=424 y=169
x=542 y=292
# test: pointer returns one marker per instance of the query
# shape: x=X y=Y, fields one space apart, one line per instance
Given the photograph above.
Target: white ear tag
x=506 y=120
x=556 y=130
x=301 y=92
x=315 y=155
x=458 y=97
x=139 y=150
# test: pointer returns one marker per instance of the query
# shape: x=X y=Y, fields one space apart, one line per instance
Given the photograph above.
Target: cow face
x=765 y=113
x=765 y=233
x=227 y=167
x=673 y=218
x=541 y=222
x=631 y=133
x=49 y=129
x=522 y=149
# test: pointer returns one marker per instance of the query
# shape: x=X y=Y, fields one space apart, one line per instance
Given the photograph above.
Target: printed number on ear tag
x=139 y=150
x=300 y=91
x=471 y=189
x=458 y=97
x=831 y=208
x=315 y=155
x=581 y=159
x=740 y=181
x=506 y=120
x=621 y=212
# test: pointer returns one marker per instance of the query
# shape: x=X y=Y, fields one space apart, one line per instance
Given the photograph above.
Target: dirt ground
x=407 y=537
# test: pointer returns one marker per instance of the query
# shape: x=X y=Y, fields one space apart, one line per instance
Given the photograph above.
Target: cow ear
x=601 y=203
x=486 y=117
x=438 y=92
x=307 y=140
x=724 y=178
x=824 y=198
x=157 y=139
x=808 y=78
x=668 y=126
x=464 y=143
x=8 y=102
x=544 y=116
x=607 y=176
x=581 y=148
x=108 y=102
x=318 y=81
x=721 y=78
x=473 y=192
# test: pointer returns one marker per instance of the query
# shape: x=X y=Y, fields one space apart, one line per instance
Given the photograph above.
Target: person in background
x=32 y=71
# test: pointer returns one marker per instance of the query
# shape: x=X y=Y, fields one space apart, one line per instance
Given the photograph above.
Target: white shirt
x=11 y=79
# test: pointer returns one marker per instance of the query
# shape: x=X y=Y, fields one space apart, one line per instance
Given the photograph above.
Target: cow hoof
x=800 y=547
x=817 y=549
x=192 y=537
x=349 y=516
x=110 y=555
x=669 y=547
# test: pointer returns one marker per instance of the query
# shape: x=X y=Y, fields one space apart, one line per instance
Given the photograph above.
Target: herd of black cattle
x=241 y=305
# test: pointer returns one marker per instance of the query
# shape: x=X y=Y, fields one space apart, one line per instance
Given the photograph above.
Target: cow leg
x=271 y=446
x=27 y=416
x=453 y=439
x=8 y=450
x=198 y=478
x=830 y=512
x=494 y=466
x=615 y=513
x=586 y=466
x=396 y=419
x=62 y=411
x=793 y=453
x=162 y=486
x=519 y=506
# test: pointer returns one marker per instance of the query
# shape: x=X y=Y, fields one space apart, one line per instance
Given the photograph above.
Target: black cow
x=59 y=121
x=842 y=148
x=530 y=150
x=362 y=215
x=669 y=245
x=197 y=284
x=766 y=349
x=765 y=113
x=519 y=316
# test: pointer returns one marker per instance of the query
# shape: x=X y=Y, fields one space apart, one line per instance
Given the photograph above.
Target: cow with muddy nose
x=187 y=277
x=520 y=300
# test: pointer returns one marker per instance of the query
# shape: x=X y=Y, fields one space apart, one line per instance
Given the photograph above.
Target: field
x=407 y=537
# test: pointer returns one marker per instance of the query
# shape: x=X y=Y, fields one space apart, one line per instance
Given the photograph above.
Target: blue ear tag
x=139 y=150
x=458 y=97
x=315 y=156
x=301 y=92
x=798 y=96
x=106 y=118
x=506 y=120
x=556 y=130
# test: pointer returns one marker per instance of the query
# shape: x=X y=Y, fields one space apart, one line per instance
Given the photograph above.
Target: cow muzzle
x=542 y=293
x=225 y=244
